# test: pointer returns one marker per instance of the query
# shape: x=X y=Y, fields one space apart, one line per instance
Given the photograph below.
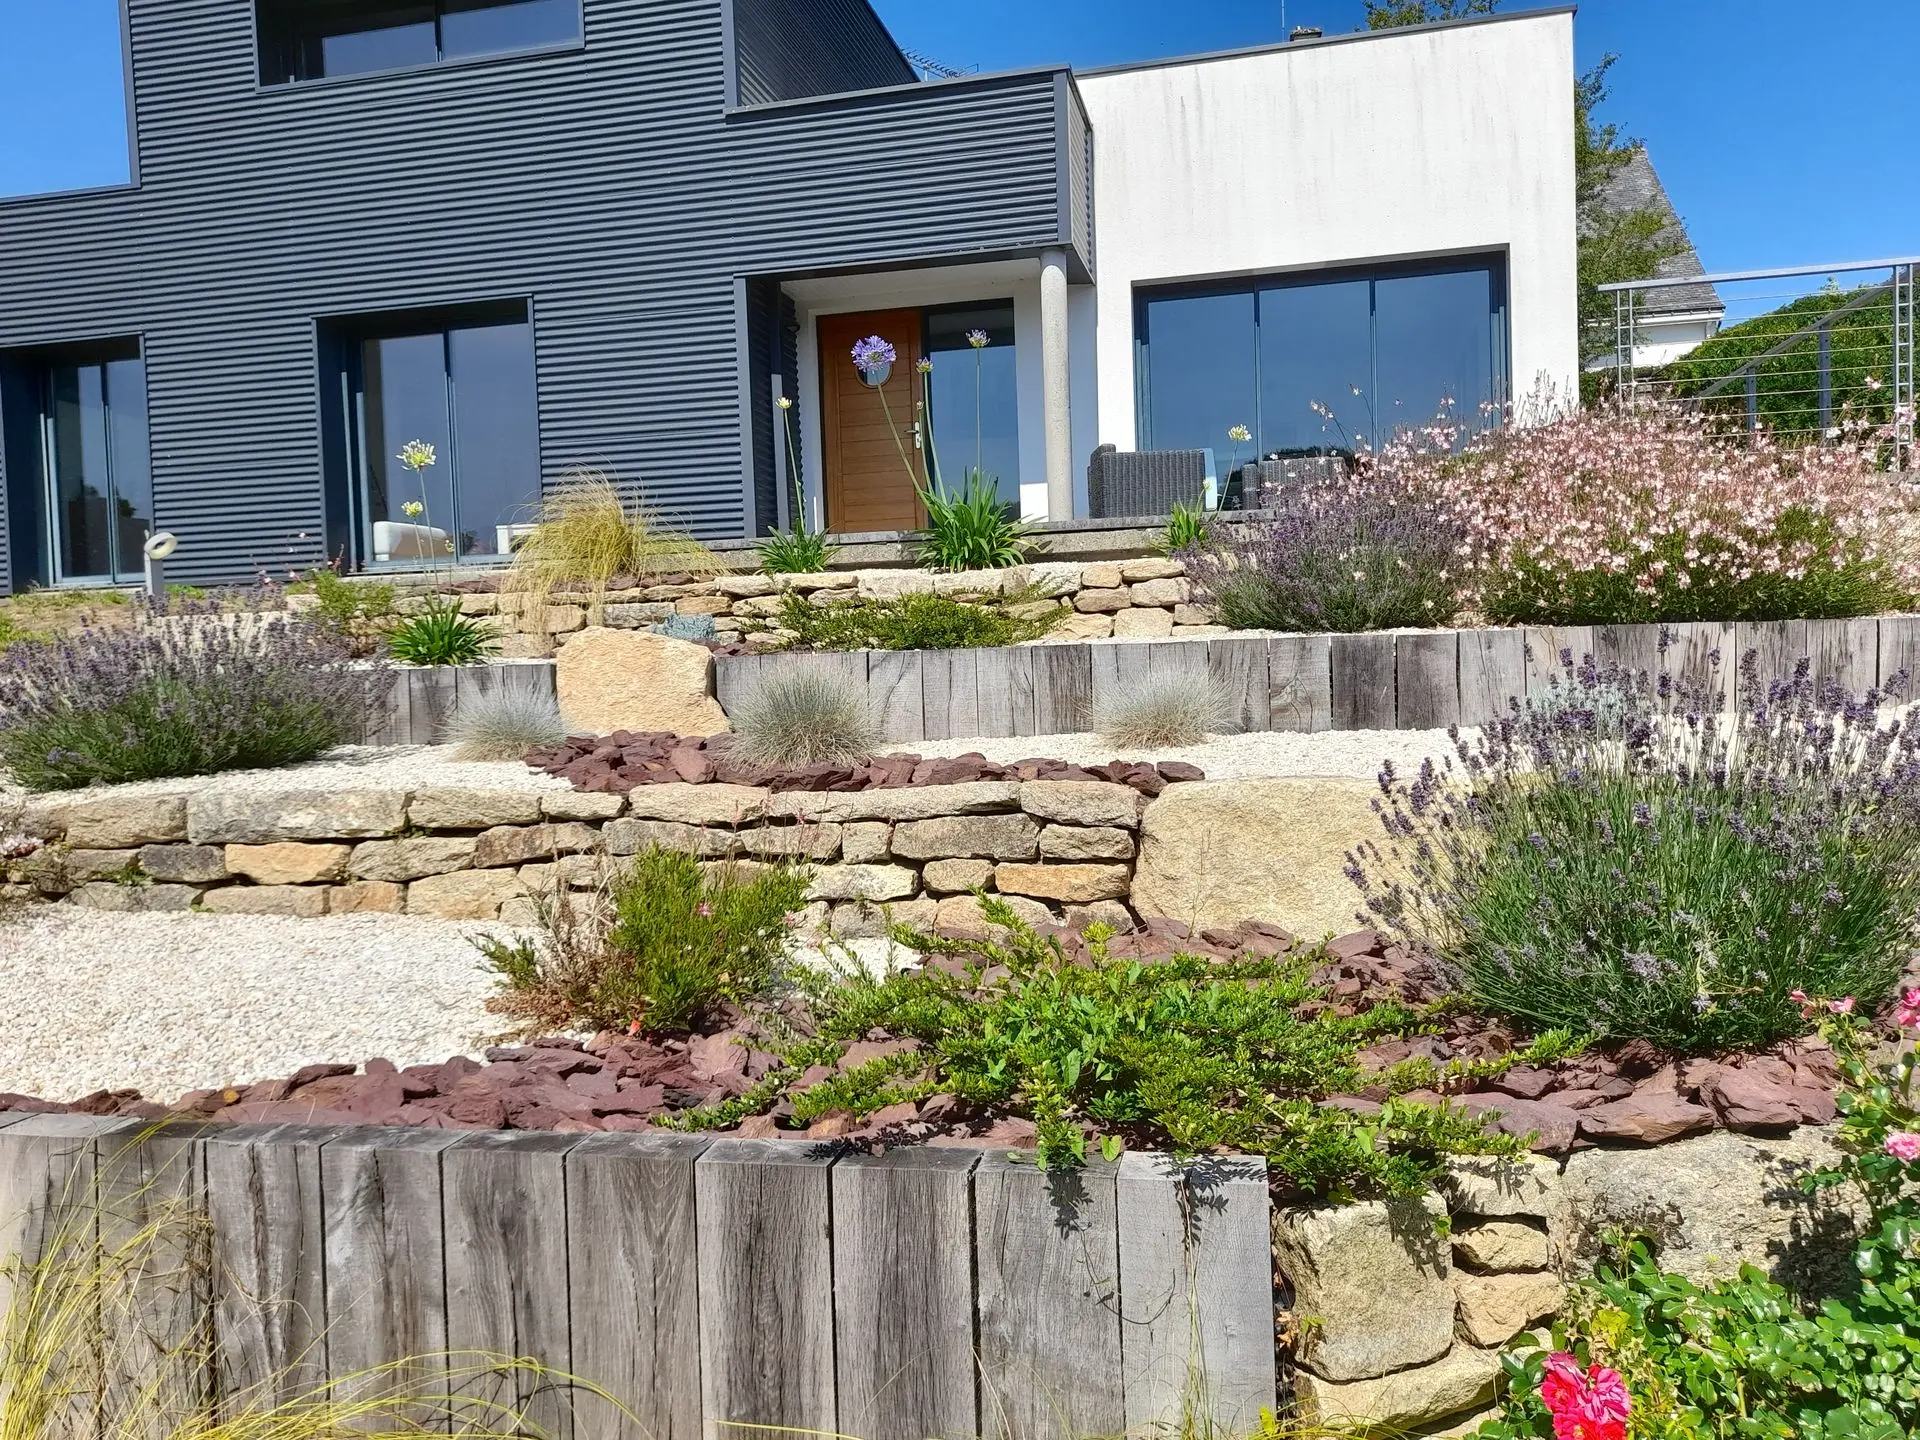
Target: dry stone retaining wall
x=1053 y=849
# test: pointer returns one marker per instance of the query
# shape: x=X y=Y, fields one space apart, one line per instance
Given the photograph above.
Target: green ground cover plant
x=1645 y=859
x=1193 y=1054
x=663 y=946
x=911 y=622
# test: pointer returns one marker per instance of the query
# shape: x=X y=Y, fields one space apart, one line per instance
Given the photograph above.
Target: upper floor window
x=1321 y=360
x=321 y=39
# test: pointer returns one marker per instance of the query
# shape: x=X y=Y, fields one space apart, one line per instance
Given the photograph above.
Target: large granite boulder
x=1215 y=853
x=608 y=680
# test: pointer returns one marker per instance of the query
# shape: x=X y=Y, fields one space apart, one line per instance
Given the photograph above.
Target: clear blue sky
x=1782 y=128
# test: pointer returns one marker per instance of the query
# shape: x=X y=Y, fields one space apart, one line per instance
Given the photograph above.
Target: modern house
x=544 y=233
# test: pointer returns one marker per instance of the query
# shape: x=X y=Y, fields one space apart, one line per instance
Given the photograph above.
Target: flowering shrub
x=1623 y=855
x=1372 y=552
x=1615 y=516
x=192 y=690
x=667 y=945
x=1652 y=1351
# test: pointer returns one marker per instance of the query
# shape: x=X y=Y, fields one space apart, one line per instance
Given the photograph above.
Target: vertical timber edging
x=1377 y=680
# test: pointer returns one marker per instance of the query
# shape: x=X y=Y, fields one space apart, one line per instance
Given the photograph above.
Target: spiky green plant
x=441 y=635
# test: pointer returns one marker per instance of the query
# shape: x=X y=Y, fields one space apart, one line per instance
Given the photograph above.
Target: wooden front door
x=869 y=486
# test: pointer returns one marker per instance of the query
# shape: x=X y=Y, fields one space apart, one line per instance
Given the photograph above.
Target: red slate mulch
x=1627 y=1094
x=626 y=760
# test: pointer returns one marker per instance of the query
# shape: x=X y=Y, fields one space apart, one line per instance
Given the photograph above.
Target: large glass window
x=1313 y=362
x=318 y=39
x=974 y=394
x=466 y=389
x=98 y=476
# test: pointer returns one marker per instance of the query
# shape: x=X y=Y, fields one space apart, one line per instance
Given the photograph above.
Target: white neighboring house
x=1373 y=222
x=1673 y=320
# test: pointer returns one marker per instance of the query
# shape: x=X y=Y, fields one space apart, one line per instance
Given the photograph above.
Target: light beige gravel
x=1351 y=753
x=169 y=1003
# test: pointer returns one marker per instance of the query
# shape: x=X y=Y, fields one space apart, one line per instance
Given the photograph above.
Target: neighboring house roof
x=1636 y=186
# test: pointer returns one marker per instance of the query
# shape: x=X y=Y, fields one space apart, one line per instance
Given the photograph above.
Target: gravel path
x=170 y=1003
x=1355 y=753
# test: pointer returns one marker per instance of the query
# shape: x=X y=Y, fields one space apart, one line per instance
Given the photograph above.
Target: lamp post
x=160 y=545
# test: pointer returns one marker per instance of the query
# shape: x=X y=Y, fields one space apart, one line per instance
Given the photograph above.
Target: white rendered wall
x=1445 y=140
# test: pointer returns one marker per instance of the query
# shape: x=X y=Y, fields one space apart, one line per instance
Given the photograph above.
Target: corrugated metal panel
x=791 y=49
x=1080 y=176
x=606 y=185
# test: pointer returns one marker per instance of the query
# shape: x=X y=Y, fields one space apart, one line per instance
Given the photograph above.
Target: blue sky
x=1777 y=125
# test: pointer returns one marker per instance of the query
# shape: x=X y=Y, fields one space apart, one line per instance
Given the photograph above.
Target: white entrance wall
x=1446 y=139
x=1018 y=280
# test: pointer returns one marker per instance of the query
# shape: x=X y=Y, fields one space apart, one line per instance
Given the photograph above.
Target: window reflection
x=318 y=39
x=98 y=468
x=974 y=395
x=1377 y=351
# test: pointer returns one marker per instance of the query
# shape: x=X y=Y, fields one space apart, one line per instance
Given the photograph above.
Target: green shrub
x=1750 y=1356
x=191 y=691
x=1195 y=1054
x=974 y=530
x=1189 y=527
x=1627 y=856
x=912 y=622
x=668 y=944
x=804 y=718
x=441 y=635
x=362 y=612
x=795 y=552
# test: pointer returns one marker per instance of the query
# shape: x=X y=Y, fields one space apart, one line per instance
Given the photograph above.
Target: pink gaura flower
x=1590 y=1404
x=1841 y=1007
x=703 y=910
x=1907 y=1013
x=1799 y=997
x=1903 y=1145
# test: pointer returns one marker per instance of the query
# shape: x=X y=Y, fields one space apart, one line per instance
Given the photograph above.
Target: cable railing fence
x=1757 y=353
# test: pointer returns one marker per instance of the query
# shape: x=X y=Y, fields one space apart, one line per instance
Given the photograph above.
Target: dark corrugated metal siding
x=606 y=185
x=791 y=49
x=1079 y=145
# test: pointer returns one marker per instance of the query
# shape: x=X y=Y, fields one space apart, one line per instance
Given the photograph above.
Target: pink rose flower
x=1585 y=1405
x=1903 y=1145
x=1908 y=1012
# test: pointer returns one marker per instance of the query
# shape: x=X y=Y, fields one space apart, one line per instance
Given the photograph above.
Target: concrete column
x=1056 y=383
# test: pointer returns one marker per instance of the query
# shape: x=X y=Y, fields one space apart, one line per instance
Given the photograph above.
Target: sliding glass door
x=98 y=472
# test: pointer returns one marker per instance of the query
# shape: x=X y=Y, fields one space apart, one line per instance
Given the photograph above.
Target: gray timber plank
x=895 y=690
x=151 y=1187
x=1778 y=647
x=533 y=677
x=1493 y=673
x=1427 y=680
x=1900 y=653
x=504 y=1202
x=1046 y=1255
x=1546 y=645
x=430 y=691
x=1845 y=653
x=50 y=1214
x=631 y=1246
x=994 y=687
x=1196 y=1292
x=1238 y=667
x=1062 y=689
x=735 y=677
x=903 y=1294
x=393 y=725
x=269 y=1305
x=474 y=682
x=1023 y=686
x=385 y=1278
x=1363 y=682
x=766 y=1287
x=1700 y=657
x=950 y=679
x=1300 y=676
x=1628 y=647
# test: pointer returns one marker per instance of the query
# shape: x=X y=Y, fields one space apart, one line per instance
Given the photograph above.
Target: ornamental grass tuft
x=805 y=718
x=505 y=724
x=192 y=688
x=1645 y=857
x=1162 y=712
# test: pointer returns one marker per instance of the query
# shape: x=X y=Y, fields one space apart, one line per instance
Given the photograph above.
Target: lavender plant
x=190 y=688
x=1650 y=858
x=1360 y=554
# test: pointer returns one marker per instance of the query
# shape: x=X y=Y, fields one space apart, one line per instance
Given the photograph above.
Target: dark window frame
x=1494 y=261
x=444 y=62
x=340 y=342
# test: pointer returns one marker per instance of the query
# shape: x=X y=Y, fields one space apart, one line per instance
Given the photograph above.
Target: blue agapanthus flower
x=873 y=353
